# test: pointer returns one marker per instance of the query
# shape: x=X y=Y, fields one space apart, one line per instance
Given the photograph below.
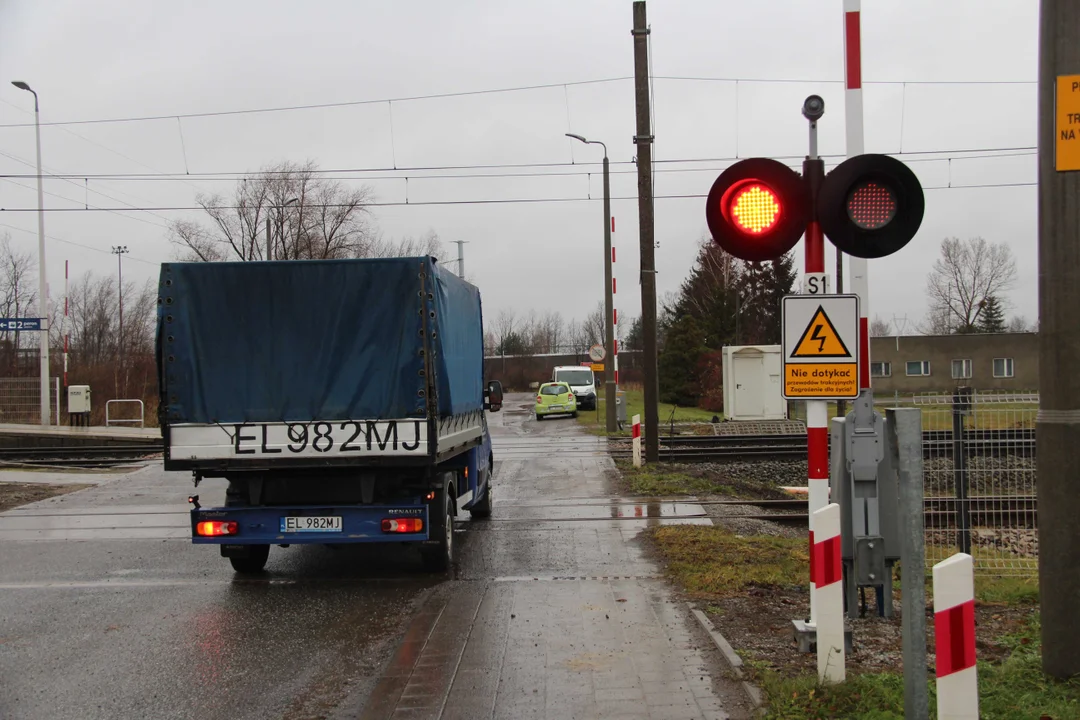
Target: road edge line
x=732 y=658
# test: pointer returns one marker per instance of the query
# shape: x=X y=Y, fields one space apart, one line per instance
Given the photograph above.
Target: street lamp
x=609 y=300
x=269 y=235
x=119 y=252
x=42 y=298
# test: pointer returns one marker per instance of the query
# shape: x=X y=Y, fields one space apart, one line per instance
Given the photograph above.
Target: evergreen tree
x=992 y=317
x=678 y=363
x=635 y=339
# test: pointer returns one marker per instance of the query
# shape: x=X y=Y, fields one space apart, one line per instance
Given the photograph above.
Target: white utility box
x=78 y=398
x=752 y=384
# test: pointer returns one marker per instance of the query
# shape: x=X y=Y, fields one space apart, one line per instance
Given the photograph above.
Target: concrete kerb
x=731 y=657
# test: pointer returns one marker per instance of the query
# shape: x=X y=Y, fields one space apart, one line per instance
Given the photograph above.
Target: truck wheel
x=482 y=509
x=539 y=417
x=254 y=562
x=438 y=558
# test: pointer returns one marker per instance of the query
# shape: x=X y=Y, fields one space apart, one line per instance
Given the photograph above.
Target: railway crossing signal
x=869 y=206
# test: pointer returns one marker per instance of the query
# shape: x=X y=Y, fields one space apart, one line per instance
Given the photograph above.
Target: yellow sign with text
x=597 y=367
x=815 y=380
x=1067 y=123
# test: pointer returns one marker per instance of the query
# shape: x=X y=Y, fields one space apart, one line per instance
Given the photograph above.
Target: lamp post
x=119 y=252
x=269 y=233
x=609 y=300
x=42 y=295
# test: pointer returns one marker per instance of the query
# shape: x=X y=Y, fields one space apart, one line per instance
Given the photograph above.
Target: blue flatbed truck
x=343 y=401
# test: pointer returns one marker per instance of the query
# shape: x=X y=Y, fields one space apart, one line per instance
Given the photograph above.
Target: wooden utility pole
x=643 y=139
x=1058 y=423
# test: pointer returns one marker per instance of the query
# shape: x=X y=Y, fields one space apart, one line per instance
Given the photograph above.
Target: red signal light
x=871 y=205
x=755 y=208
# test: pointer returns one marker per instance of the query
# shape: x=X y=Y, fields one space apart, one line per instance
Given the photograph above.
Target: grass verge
x=712 y=562
x=666 y=479
x=1014 y=689
x=719 y=567
x=635 y=405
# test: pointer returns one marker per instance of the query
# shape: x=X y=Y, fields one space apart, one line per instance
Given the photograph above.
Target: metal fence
x=20 y=400
x=979 y=476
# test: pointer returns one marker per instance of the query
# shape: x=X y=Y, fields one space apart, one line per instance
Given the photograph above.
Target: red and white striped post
x=66 y=327
x=637 y=440
x=954 y=630
x=615 y=315
x=827 y=571
x=817 y=411
x=853 y=124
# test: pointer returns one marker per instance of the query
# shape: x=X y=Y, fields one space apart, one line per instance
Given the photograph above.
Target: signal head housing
x=757 y=209
x=870 y=206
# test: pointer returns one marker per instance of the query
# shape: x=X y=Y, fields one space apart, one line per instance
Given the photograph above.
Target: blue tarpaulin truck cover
x=298 y=341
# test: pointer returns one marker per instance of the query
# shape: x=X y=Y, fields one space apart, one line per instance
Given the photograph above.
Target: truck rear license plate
x=310 y=524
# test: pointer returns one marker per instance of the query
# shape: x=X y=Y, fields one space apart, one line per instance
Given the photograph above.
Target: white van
x=581 y=381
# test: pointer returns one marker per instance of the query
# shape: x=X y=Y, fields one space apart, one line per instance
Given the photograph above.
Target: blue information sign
x=20 y=324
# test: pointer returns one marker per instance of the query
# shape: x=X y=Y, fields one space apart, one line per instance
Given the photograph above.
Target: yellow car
x=555 y=398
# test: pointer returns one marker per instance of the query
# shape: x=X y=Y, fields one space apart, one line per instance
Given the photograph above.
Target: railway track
x=936 y=443
x=80 y=457
x=998 y=512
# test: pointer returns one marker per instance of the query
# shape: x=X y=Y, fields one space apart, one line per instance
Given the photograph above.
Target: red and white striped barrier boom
x=853 y=124
x=954 y=630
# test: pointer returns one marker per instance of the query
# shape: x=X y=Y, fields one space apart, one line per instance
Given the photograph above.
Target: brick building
x=938 y=363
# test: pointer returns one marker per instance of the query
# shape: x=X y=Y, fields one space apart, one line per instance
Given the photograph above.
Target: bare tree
x=408 y=246
x=503 y=328
x=18 y=296
x=964 y=277
x=327 y=220
x=594 y=327
x=880 y=328
x=548 y=332
x=1019 y=324
x=938 y=321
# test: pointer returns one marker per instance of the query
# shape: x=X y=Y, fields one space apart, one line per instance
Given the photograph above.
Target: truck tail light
x=402 y=525
x=214 y=528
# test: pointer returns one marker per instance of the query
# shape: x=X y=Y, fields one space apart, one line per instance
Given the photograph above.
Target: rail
x=109 y=421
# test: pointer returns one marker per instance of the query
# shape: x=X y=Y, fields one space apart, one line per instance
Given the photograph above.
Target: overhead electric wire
x=790 y=81
x=493 y=91
x=479 y=201
x=405 y=172
x=318 y=106
x=77 y=244
x=88 y=206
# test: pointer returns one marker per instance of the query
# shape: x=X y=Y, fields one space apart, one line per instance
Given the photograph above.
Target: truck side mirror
x=494 y=395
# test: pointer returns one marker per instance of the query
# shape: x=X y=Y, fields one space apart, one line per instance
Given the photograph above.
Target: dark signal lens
x=871 y=205
x=755 y=209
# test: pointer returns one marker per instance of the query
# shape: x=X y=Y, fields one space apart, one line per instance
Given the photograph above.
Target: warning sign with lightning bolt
x=820 y=339
x=820 y=344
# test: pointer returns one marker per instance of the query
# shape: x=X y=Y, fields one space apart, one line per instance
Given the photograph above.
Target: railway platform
x=14 y=436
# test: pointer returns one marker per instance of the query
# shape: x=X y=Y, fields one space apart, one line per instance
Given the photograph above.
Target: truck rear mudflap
x=308 y=524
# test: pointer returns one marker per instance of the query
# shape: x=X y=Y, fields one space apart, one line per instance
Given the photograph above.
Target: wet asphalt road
x=553 y=610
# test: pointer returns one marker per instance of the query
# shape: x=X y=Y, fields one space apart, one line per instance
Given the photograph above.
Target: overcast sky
x=113 y=59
